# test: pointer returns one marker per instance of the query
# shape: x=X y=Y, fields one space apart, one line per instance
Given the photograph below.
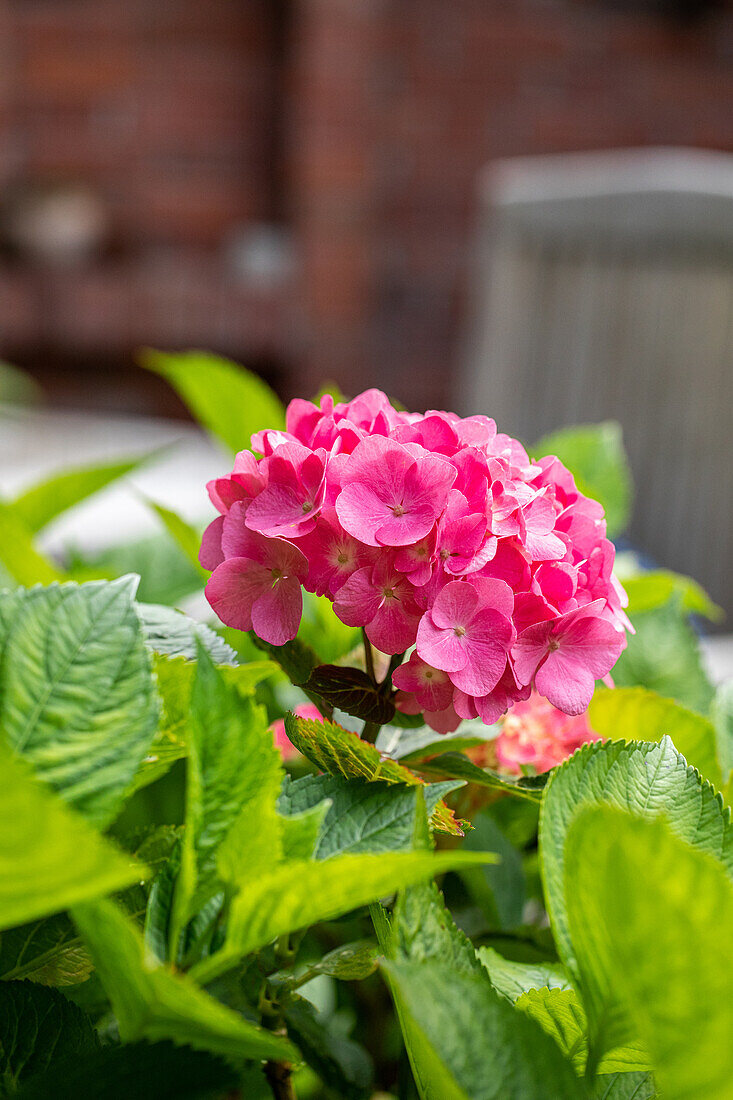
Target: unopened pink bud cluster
x=430 y=531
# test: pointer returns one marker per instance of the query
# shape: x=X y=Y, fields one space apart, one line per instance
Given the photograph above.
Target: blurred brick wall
x=359 y=125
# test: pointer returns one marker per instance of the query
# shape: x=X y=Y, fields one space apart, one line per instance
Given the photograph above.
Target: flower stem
x=369 y=657
x=280 y=1079
x=370 y=731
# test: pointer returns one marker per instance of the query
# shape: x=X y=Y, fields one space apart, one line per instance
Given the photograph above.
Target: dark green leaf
x=352 y=691
x=455 y=765
x=143 y=1071
x=38 y=1027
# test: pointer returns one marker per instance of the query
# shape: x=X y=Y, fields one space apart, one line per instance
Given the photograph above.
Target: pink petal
x=361 y=511
x=566 y=683
x=233 y=588
x=281 y=509
x=455 y=605
x=487 y=645
x=393 y=628
x=529 y=650
x=211 y=554
x=439 y=646
x=276 y=613
x=357 y=601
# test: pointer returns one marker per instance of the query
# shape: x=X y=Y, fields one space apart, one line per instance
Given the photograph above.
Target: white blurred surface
x=35 y=445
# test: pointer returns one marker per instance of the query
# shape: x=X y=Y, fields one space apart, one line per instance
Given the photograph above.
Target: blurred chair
x=605 y=290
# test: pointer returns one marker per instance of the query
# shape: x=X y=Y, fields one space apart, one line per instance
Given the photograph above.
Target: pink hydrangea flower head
x=536 y=734
x=427 y=530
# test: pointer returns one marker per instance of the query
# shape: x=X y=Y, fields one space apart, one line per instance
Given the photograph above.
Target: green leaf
x=359 y=816
x=352 y=691
x=649 y=918
x=186 y=536
x=501 y=889
x=560 y=1014
x=300 y=893
x=625 y=1086
x=342 y=1064
x=152 y=1002
x=342 y=753
x=647 y=591
x=296 y=659
x=320 y=629
x=456 y=765
x=38 y=1027
x=233 y=765
x=595 y=455
x=145 y=1071
x=229 y=401
x=48 y=952
x=646 y=779
x=637 y=714
x=514 y=1058
x=77 y=697
x=173 y=634
x=42 y=503
x=664 y=656
x=300 y=832
x=166 y=574
x=512 y=979
x=23 y=562
x=17 y=387
x=50 y=858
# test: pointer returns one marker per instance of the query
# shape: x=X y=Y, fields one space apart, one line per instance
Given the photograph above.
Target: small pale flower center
x=459 y=631
x=307 y=507
x=277 y=574
x=398 y=510
x=388 y=593
x=428 y=673
x=342 y=559
x=553 y=644
x=444 y=554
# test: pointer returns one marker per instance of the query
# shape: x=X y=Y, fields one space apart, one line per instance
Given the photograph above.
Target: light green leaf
x=77 y=697
x=234 y=768
x=18 y=554
x=512 y=979
x=229 y=401
x=152 y=1002
x=50 y=858
x=300 y=832
x=664 y=656
x=38 y=1028
x=360 y=816
x=637 y=714
x=300 y=893
x=341 y=752
x=147 y=1071
x=514 y=1059
x=17 y=387
x=42 y=503
x=649 y=918
x=646 y=779
x=595 y=455
x=647 y=591
x=186 y=536
x=173 y=634
x=166 y=574
x=559 y=1012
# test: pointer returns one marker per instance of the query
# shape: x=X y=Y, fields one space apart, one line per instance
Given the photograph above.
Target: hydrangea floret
x=439 y=537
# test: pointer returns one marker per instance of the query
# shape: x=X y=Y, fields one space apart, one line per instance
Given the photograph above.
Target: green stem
x=369 y=657
x=370 y=731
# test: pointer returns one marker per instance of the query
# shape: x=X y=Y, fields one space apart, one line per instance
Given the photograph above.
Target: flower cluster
x=536 y=734
x=430 y=531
